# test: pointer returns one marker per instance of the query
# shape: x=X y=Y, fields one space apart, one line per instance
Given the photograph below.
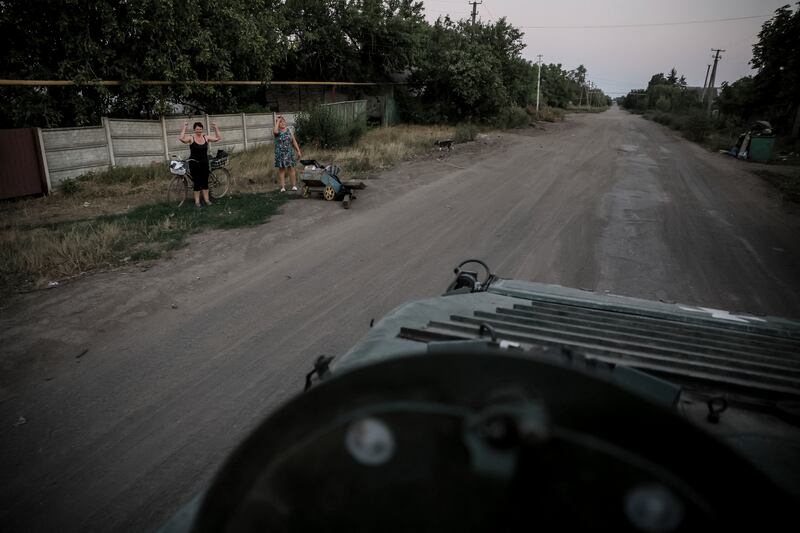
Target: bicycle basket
x=218 y=162
x=177 y=167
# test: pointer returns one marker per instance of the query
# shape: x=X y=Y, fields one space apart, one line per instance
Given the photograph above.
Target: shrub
x=697 y=126
x=661 y=118
x=552 y=114
x=323 y=126
x=465 y=132
x=357 y=129
x=70 y=186
x=663 y=104
x=512 y=117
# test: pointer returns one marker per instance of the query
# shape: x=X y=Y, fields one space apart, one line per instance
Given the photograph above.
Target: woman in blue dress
x=285 y=148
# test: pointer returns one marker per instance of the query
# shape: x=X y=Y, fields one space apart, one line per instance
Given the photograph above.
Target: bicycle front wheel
x=219 y=182
x=178 y=191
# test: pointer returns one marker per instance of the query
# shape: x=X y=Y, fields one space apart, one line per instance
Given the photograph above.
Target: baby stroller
x=318 y=178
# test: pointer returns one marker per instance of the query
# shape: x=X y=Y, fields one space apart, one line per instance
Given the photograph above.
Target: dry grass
x=548 y=114
x=119 y=216
x=36 y=255
x=381 y=148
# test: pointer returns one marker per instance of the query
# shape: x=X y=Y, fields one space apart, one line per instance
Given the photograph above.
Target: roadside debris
x=21 y=421
x=755 y=144
x=52 y=284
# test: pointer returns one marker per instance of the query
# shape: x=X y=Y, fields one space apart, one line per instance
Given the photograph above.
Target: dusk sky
x=619 y=59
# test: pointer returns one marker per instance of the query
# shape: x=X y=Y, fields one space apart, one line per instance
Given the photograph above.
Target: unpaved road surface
x=123 y=392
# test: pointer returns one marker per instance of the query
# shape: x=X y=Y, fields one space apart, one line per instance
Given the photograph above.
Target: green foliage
x=321 y=125
x=738 y=99
x=132 y=175
x=356 y=129
x=465 y=132
x=772 y=94
x=349 y=40
x=456 y=70
x=697 y=126
x=130 y=41
x=470 y=71
x=663 y=93
x=663 y=104
x=776 y=56
x=512 y=117
x=69 y=186
x=552 y=114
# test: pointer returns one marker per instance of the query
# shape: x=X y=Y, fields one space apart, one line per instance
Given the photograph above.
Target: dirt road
x=123 y=392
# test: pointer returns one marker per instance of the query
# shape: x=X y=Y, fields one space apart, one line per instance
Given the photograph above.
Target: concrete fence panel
x=173 y=127
x=136 y=142
x=70 y=152
x=259 y=129
x=232 y=131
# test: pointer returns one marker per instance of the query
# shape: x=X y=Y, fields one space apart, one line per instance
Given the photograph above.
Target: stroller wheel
x=305 y=192
x=329 y=193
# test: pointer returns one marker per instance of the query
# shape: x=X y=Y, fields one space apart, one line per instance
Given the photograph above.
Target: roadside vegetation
x=452 y=71
x=459 y=78
x=111 y=218
x=772 y=95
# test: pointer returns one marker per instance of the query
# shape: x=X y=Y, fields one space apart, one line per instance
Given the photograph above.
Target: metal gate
x=21 y=168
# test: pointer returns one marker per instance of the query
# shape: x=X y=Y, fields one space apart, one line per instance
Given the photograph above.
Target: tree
x=672 y=78
x=776 y=56
x=736 y=99
x=665 y=93
x=131 y=42
x=470 y=70
x=350 y=40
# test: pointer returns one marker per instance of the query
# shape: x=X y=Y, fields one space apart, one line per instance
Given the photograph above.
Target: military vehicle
x=508 y=404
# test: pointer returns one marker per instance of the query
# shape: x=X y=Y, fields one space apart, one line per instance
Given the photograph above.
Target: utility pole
x=538 y=81
x=474 y=9
x=713 y=78
x=705 y=83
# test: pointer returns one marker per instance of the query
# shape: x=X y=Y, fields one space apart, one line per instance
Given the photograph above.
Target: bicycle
x=181 y=185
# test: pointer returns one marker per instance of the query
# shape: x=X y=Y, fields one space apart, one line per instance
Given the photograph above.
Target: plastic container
x=761 y=149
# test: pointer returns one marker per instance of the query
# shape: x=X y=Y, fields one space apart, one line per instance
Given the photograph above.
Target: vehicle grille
x=752 y=359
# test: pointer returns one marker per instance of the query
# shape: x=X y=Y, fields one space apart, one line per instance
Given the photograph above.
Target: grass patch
x=114 y=217
x=788 y=184
x=382 y=147
x=31 y=256
x=547 y=114
x=465 y=132
x=587 y=109
x=512 y=117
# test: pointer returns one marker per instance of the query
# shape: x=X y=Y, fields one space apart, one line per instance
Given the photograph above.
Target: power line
x=644 y=25
x=56 y=83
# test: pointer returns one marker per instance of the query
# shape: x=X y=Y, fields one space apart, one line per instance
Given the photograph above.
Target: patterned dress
x=284 y=151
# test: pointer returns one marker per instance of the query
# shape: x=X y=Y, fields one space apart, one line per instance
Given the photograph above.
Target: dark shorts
x=199 y=170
